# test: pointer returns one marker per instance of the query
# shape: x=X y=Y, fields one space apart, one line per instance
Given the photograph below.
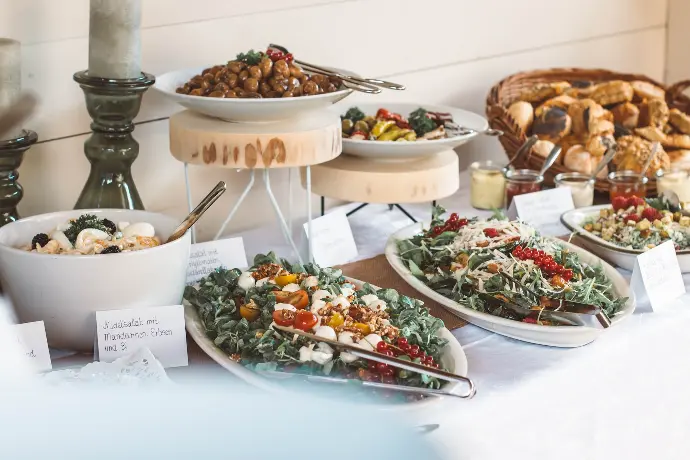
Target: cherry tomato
x=381 y=367
x=633 y=217
x=567 y=274
x=650 y=214
x=383 y=113
x=635 y=201
x=289 y=58
x=463 y=222
x=381 y=346
x=284 y=317
x=414 y=351
x=619 y=202
x=305 y=320
x=298 y=299
x=453 y=217
x=491 y=232
x=402 y=341
x=389 y=353
x=388 y=373
x=249 y=312
x=428 y=361
x=284 y=280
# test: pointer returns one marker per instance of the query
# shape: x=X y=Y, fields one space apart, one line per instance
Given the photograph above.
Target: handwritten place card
x=160 y=329
x=656 y=277
x=31 y=340
x=542 y=210
x=332 y=242
x=206 y=257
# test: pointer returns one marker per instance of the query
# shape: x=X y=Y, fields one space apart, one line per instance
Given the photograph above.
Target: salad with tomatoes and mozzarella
x=462 y=259
x=633 y=223
x=239 y=310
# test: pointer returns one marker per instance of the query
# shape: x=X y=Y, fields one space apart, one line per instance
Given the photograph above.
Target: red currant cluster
x=402 y=347
x=453 y=224
x=277 y=55
x=625 y=202
x=544 y=261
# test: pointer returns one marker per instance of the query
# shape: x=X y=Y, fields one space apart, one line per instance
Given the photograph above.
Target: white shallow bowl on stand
x=622 y=257
x=65 y=291
x=392 y=150
x=453 y=359
x=243 y=110
x=557 y=336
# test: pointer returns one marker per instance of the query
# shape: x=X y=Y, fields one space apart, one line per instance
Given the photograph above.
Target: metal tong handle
x=395 y=362
x=349 y=82
x=193 y=216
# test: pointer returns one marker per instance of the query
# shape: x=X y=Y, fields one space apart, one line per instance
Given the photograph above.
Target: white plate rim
x=394 y=260
x=195 y=330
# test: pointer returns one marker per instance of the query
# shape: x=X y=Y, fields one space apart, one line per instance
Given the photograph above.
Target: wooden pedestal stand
x=312 y=139
x=368 y=181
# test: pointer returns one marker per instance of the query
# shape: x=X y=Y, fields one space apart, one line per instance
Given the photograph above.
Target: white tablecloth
x=622 y=397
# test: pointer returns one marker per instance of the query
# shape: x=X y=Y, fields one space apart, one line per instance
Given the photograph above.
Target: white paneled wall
x=445 y=51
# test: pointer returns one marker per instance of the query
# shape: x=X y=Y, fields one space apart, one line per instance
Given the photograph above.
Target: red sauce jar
x=521 y=181
x=627 y=184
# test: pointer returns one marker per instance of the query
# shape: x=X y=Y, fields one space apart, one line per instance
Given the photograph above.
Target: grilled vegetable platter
x=237 y=311
x=462 y=263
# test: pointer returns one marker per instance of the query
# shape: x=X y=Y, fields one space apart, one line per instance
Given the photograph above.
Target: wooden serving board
x=363 y=180
x=311 y=139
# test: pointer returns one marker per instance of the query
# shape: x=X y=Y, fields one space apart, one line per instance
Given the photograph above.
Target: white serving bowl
x=392 y=150
x=243 y=110
x=625 y=258
x=65 y=291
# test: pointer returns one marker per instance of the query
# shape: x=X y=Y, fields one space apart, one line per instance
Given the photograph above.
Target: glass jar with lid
x=487 y=185
x=676 y=180
x=581 y=187
x=521 y=181
x=627 y=184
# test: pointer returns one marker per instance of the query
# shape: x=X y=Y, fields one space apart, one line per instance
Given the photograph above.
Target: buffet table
x=622 y=396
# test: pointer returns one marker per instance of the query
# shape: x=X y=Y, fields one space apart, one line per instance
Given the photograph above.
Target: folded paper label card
x=656 y=278
x=332 y=243
x=206 y=257
x=543 y=210
x=160 y=329
x=31 y=341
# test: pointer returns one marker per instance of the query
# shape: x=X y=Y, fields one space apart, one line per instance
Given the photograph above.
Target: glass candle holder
x=487 y=185
x=676 y=180
x=627 y=184
x=521 y=181
x=581 y=187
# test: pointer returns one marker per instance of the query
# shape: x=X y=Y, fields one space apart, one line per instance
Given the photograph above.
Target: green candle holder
x=11 y=156
x=111 y=149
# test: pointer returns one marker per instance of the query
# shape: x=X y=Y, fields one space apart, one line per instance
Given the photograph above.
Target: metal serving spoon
x=674 y=202
x=193 y=216
x=610 y=153
x=652 y=154
x=550 y=160
x=524 y=148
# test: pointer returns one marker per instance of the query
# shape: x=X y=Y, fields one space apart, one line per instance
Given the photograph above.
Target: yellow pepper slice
x=336 y=320
x=363 y=328
x=284 y=280
x=381 y=127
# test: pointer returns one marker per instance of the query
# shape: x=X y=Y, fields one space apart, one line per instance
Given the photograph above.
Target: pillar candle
x=10 y=77
x=115 y=39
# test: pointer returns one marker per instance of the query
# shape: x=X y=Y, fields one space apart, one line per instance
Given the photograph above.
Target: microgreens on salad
x=461 y=258
x=239 y=309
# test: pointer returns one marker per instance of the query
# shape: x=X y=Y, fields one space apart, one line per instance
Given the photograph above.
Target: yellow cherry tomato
x=284 y=280
x=336 y=320
x=363 y=328
x=250 y=311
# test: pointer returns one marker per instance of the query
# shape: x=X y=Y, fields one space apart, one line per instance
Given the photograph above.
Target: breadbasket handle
x=675 y=90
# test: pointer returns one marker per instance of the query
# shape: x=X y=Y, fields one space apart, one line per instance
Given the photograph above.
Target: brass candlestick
x=11 y=156
x=111 y=149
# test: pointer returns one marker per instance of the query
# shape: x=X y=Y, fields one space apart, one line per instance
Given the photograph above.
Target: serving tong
x=364 y=85
x=391 y=361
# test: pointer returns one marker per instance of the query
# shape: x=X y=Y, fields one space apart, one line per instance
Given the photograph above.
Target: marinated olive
x=362 y=125
x=230 y=94
x=221 y=87
x=281 y=69
x=232 y=80
x=280 y=85
x=251 y=95
x=235 y=67
x=273 y=94
x=216 y=94
x=266 y=66
x=196 y=81
x=347 y=126
x=320 y=80
x=370 y=121
x=182 y=90
x=295 y=71
x=239 y=92
x=310 y=88
x=196 y=92
x=297 y=91
x=288 y=93
x=221 y=74
x=330 y=88
x=255 y=72
x=264 y=88
x=251 y=85
x=293 y=82
x=243 y=76
x=205 y=84
x=303 y=79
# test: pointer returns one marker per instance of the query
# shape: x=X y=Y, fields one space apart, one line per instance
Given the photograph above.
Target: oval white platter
x=624 y=258
x=557 y=336
x=243 y=110
x=453 y=359
x=392 y=150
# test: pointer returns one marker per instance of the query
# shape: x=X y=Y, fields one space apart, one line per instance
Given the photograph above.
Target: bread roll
x=680 y=159
x=523 y=114
x=543 y=148
x=646 y=90
x=626 y=115
x=578 y=159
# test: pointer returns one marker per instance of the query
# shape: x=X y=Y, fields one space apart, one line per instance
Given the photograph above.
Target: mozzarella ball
x=326 y=332
x=246 y=281
x=369 y=298
x=139 y=229
x=320 y=295
x=346 y=291
x=310 y=281
x=262 y=281
x=305 y=354
x=379 y=305
x=292 y=287
x=62 y=240
x=372 y=339
x=341 y=301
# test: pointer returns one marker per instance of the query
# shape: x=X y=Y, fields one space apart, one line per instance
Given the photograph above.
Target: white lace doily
x=135 y=369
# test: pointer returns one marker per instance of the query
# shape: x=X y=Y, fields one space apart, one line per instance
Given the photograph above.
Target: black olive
x=111 y=250
x=110 y=225
x=40 y=239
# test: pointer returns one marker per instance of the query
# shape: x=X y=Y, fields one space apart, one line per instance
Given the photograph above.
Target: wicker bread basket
x=508 y=90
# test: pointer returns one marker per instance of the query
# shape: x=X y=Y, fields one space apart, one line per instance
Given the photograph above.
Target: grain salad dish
x=239 y=311
x=635 y=223
x=90 y=235
x=472 y=262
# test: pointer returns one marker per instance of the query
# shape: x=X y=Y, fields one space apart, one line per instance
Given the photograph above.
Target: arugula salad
x=462 y=259
x=239 y=309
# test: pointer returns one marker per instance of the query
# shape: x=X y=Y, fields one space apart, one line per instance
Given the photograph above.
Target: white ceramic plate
x=243 y=110
x=557 y=336
x=624 y=258
x=391 y=150
x=453 y=358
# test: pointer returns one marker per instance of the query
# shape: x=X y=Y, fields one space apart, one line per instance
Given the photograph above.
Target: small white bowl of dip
x=65 y=291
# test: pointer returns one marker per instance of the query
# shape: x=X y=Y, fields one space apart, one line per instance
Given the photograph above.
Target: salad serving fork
x=391 y=361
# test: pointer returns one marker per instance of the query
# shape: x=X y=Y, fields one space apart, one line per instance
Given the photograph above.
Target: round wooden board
x=365 y=181
x=311 y=139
